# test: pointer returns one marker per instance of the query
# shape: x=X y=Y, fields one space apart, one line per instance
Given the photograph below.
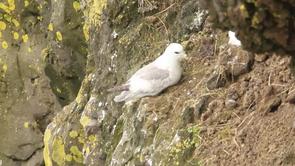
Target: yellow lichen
x=92 y=138
x=44 y=54
x=79 y=98
x=73 y=134
x=34 y=125
x=11 y=5
x=27 y=3
x=7 y=17
x=29 y=49
x=85 y=120
x=15 y=22
x=58 y=151
x=25 y=38
x=4 y=45
x=86 y=31
x=26 y=125
x=244 y=11
x=87 y=150
x=4 y=69
x=46 y=152
x=5 y=8
x=58 y=90
x=40 y=18
x=40 y=7
x=76 y=5
x=77 y=154
x=2 y=25
x=255 y=20
x=94 y=12
x=58 y=36
x=81 y=140
x=50 y=27
x=15 y=35
x=69 y=157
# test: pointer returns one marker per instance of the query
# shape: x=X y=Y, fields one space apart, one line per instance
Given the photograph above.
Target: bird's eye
x=176 y=52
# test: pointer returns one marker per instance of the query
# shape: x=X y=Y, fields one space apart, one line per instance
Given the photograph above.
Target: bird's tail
x=124 y=87
x=122 y=97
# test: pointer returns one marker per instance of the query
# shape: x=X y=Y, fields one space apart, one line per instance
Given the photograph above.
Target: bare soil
x=247 y=119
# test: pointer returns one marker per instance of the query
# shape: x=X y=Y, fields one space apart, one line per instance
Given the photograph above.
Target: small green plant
x=182 y=150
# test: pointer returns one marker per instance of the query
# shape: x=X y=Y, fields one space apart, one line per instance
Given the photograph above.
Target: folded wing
x=148 y=81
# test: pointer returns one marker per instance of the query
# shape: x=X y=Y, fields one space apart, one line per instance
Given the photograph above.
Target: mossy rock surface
x=58 y=58
x=124 y=40
x=41 y=68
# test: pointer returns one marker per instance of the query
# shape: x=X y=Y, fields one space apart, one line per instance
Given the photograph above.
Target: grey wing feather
x=124 y=96
x=151 y=72
x=121 y=97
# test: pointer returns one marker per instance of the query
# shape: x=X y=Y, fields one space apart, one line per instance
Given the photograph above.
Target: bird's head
x=176 y=51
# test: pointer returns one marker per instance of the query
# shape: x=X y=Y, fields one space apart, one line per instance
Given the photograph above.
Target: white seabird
x=233 y=40
x=153 y=78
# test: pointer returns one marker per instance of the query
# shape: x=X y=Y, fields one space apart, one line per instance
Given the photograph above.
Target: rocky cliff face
x=93 y=129
x=261 y=25
x=42 y=65
x=231 y=107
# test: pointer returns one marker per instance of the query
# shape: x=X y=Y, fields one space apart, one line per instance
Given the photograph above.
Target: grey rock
x=216 y=80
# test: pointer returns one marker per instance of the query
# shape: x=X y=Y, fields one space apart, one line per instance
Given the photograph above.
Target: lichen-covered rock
x=29 y=36
x=261 y=25
x=93 y=130
x=247 y=117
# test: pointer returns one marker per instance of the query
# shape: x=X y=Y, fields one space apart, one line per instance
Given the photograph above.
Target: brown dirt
x=250 y=119
x=258 y=129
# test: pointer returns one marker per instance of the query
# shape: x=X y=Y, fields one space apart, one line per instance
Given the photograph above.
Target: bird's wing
x=151 y=72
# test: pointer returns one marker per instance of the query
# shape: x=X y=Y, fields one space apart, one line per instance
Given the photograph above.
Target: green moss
x=182 y=151
x=195 y=131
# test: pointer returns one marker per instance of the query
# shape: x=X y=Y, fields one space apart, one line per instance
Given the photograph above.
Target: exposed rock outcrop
x=231 y=107
x=261 y=25
x=94 y=130
x=187 y=124
x=39 y=72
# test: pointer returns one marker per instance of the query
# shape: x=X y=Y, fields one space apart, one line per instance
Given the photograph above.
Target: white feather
x=233 y=40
